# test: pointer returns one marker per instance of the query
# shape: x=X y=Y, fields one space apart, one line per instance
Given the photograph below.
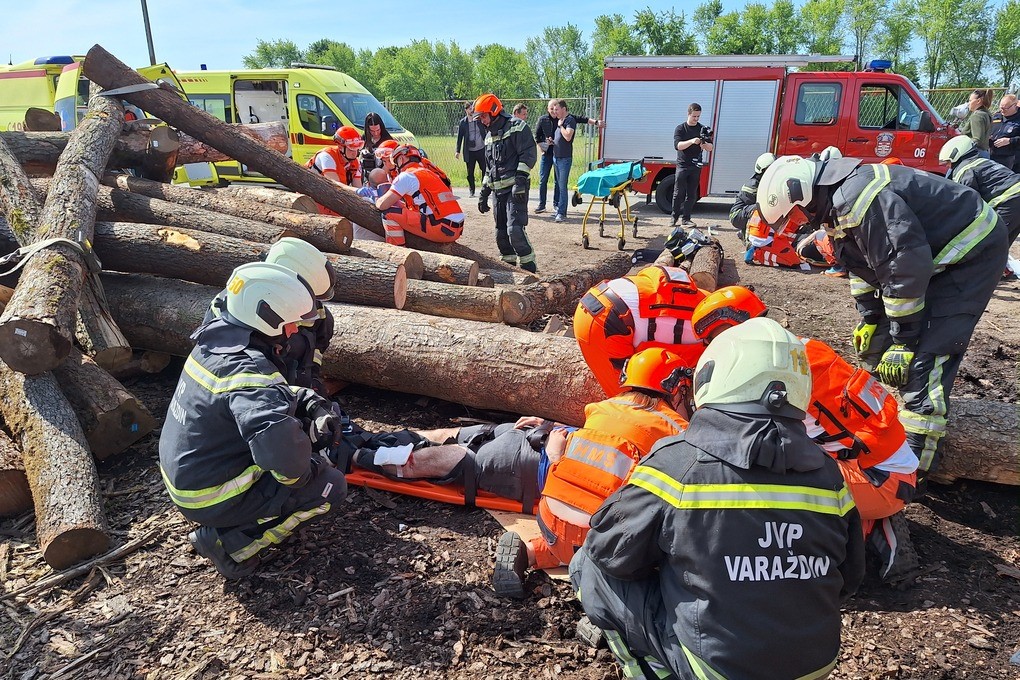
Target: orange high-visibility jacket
x=435 y=194
x=852 y=407
x=347 y=170
x=599 y=457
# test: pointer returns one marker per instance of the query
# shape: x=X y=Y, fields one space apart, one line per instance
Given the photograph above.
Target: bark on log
x=119 y=205
x=15 y=496
x=316 y=229
x=20 y=205
x=270 y=135
x=69 y=521
x=207 y=258
x=38 y=324
x=483 y=365
x=560 y=293
x=705 y=266
x=411 y=259
x=111 y=417
x=97 y=332
x=981 y=442
x=103 y=68
x=665 y=259
x=452 y=269
x=485 y=281
x=509 y=278
x=289 y=200
x=455 y=302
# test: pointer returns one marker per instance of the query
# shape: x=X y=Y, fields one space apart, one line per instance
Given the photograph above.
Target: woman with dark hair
x=375 y=134
x=978 y=122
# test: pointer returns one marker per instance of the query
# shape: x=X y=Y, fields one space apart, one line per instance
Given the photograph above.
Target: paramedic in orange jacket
x=597 y=461
x=340 y=163
x=652 y=308
x=853 y=417
x=774 y=248
x=419 y=201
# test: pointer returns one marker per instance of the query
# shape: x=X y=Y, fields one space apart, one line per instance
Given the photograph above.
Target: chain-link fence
x=943 y=100
x=434 y=124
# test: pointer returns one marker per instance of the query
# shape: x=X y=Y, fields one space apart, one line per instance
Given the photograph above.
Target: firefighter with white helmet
x=924 y=256
x=701 y=565
x=743 y=206
x=997 y=184
x=234 y=453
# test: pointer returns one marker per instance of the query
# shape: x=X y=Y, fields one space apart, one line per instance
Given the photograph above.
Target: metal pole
x=148 y=33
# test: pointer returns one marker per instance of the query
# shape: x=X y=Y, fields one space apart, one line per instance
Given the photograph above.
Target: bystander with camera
x=689 y=139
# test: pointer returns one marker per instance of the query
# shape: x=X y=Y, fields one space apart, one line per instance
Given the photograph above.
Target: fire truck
x=759 y=103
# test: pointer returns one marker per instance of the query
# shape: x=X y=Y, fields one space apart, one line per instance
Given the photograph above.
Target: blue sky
x=186 y=33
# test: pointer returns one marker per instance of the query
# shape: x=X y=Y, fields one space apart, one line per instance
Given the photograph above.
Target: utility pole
x=148 y=33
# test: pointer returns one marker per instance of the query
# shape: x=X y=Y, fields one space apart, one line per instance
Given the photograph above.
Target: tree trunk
x=19 y=203
x=69 y=521
x=411 y=259
x=103 y=68
x=981 y=442
x=443 y=268
x=483 y=365
x=665 y=259
x=509 y=278
x=207 y=258
x=455 y=302
x=705 y=266
x=316 y=229
x=38 y=324
x=138 y=146
x=111 y=417
x=118 y=205
x=97 y=332
x=485 y=280
x=145 y=362
x=15 y=496
x=269 y=135
x=289 y=200
x=560 y=293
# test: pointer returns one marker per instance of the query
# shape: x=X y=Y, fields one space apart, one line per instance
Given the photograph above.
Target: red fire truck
x=759 y=103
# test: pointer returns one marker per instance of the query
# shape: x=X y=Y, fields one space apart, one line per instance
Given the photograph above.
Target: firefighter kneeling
x=235 y=455
x=419 y=201
x=730 y=548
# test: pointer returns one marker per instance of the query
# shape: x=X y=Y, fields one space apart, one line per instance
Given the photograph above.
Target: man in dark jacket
x=998 y=185
x=730 y=548
x=689 y=140
x=509 y=157
x=471 y=144
x=235 y=452
x=924 y=255
x=1004 y=137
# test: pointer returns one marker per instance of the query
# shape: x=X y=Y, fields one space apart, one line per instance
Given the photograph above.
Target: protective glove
x=894 y=367
x=521 y=185
x=749 y=255
x=321 y=419
x=862 y=336
x=483 y=200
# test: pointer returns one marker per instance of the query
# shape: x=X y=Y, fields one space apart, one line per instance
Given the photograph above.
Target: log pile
x=440 y=321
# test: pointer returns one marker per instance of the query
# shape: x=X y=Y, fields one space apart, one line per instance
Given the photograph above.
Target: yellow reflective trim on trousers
x=922 y=424
x=859 y=286
x=741 y=496
x=278 y=533
x=1009 y=193
x=972 y=235
x=503 y=183
x=286 y=481
x=897 y=307
x=217 y=385
x=204 y=498
x=700 y=668
x=865 y=199
x=317 y=357
x=627 y=662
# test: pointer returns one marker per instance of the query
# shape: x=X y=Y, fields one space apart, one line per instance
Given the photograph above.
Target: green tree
x=664 y=32
x=332 y=53
x=704 y=17
x=860 y=17
x=756 y=30
x=933 y=23
x=893 y=41
x=273 y=54
x=559 y=56
x=613 y=35
x=505 y=72
x=821 y=27
x=972 y=32
x=1005 y=44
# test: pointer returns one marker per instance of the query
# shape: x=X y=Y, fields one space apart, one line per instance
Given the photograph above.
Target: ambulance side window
x=313 y=113
x=214 y=104
x=818 y=103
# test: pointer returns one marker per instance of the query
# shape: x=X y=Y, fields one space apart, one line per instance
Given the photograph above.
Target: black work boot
x=891 y=540
x=511 y=564
x=204 y=540
x=588 y=633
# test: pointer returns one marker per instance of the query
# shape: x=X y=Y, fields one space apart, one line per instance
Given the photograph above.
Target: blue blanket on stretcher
x=599 y=182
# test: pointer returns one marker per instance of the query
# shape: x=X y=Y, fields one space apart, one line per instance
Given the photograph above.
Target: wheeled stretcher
x=607 y=185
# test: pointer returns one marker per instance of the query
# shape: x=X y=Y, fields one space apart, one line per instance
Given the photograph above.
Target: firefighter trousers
x=877 y=493
x=265 y=516
x=511 y=237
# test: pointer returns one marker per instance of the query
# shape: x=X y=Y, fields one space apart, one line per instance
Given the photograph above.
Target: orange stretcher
x=444 y=493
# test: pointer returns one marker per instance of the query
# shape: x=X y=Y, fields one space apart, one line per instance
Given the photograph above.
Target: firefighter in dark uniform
x=235 y=455
x=997 y=184
x=747 y=198
x=924 y=255
x=509 y=156
x=303 y=351
x=730 y=548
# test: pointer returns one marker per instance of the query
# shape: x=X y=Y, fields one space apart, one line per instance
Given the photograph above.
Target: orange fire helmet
x=386 y=148
x=656 y=369
x=405 y=154
x=726 y=307
x=349 y=137
x=490 y=104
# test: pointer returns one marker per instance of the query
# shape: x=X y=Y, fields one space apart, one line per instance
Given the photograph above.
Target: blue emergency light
x=878 y=65
x=43 y=61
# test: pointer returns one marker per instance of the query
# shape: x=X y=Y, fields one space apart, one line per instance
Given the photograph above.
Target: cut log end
x=118 y=429
x=15 y=496
x=31 y=347
x=113 y=358
x=516 y=307
x=74 y=546
x=400 y=288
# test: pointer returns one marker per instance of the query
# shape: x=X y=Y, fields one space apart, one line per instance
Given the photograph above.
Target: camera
x=706 y=134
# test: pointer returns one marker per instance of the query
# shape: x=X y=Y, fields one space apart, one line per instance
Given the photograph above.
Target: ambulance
x=313 y=101
x=759 y=103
